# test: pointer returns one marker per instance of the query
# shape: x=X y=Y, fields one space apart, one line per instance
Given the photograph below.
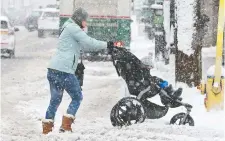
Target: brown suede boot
x=67 y=121
x=47 y=125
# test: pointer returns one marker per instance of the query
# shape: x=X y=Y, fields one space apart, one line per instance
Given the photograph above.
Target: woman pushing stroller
x=61 y=71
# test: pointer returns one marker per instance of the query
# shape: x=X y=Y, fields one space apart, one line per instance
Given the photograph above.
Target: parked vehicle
x=16 y=16
x=7 y=37
x=147 y=13
x=48 y=22
x=108 y=20
x=53 y=6
x=31 y=22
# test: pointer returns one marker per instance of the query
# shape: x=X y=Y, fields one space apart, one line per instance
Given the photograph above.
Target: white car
x=7 y=37
x=49 y=21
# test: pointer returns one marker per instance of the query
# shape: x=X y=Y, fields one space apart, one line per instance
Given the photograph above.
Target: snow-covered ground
x=25 y=97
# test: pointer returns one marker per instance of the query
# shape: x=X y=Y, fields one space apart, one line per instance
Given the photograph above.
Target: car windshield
x=146 y=13
x=4 y=25
x=36 y=13
x=51 y=14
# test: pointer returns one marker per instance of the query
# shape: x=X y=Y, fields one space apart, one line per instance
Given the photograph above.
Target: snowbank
x=185 y=21
x=208 y=62
x=211 y=71
x=209 y=52
x=156 y=6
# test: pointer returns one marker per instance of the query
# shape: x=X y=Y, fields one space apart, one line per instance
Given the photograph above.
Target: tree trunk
x=188 y=68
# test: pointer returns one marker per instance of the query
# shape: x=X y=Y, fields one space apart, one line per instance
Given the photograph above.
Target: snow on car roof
x=51 y=10
x=37 y=10
x=145 y=6
x=4 y=18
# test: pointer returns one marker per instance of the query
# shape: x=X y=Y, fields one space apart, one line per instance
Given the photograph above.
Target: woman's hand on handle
x=110 y=46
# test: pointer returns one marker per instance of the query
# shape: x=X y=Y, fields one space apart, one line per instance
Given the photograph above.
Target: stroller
x=137 y=107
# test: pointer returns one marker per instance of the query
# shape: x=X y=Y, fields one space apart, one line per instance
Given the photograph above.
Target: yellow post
x=214 y=100
x=215 y=85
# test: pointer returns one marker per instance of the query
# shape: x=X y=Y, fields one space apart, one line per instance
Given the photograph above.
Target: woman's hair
x=79 y=15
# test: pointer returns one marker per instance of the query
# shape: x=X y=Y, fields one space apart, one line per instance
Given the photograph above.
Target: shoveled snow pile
x=185 y=21
x=208 y=62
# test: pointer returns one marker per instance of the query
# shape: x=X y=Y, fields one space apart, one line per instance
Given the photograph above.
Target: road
x=24 y=79
x=20 y=74
x=25 y=96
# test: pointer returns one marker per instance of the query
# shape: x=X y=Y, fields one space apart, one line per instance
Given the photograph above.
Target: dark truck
x=108 y=21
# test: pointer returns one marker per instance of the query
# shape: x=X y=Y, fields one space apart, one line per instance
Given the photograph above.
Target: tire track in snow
x=20 y=81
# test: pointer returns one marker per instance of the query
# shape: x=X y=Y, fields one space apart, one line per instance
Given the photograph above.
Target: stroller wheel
x=113 y=117
x=127 y=111
x=178 y=118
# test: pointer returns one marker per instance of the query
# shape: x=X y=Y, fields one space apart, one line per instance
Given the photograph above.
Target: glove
x=163 y=84
x=110 y=46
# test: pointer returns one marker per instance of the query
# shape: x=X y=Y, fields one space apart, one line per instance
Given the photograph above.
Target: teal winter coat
x=71 y=41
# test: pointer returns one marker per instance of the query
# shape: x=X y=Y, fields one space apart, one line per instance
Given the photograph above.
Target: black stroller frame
x=137 y=113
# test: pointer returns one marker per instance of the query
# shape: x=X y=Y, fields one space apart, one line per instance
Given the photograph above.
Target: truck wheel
x=40 y=33
x=12 y=54
x=150 y=36
x=29 y=29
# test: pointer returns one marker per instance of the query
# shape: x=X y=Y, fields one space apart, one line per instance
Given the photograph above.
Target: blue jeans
x=60 y=81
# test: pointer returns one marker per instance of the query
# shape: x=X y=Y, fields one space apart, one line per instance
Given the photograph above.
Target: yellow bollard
x=215 y=81
x=214 y=100
x=202 y=88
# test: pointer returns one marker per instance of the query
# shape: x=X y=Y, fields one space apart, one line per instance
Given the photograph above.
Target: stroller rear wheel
x=127 y=111
x=113 y=117
x=178 y=118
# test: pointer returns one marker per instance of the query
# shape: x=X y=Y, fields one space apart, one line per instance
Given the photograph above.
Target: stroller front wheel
x=178 y=118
